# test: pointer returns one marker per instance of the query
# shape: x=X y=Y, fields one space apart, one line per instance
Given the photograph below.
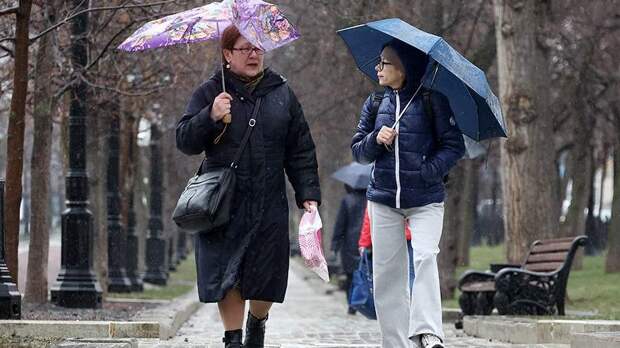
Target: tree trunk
x=601 y=201
x=174 y=183
x=528 y=170
x=36 y=278
x=96 y=150
x=127 y=162
x=452 y=224
x=612 y=262
x=467 y=210
x=575 y=221
x=15 y=138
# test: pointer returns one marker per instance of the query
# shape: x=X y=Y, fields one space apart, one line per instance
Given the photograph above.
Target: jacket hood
x=414 y=61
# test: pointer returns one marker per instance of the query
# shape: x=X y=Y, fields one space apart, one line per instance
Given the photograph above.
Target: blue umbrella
x=476 y=109
x=354 y=174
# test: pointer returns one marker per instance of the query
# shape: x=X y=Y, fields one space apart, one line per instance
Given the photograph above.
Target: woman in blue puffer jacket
x=411 y=158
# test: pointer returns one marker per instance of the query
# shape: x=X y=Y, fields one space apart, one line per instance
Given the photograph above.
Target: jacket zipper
x=397 y=154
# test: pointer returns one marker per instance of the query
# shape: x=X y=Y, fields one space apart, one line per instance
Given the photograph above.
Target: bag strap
x=246 y=136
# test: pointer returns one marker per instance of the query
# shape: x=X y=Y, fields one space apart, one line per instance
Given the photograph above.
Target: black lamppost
x=117 y=241
x=172 y=263
x=77 y=285
x=10 y=298
x=182 y=245
x=132 y=249
x=156 y=268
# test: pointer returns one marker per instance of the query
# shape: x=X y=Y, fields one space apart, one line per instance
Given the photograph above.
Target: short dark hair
x=229 y=37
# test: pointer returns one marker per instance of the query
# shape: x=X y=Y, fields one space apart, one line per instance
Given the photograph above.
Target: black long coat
x=252 y=252
x=347 y=228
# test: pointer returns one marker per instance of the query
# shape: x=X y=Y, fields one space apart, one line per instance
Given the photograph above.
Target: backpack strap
x=428 y=108
x=377 y=97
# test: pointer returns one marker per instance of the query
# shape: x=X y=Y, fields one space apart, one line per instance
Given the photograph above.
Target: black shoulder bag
x=205 y=203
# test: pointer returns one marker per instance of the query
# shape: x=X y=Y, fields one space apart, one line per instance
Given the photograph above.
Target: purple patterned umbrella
x=261 y=23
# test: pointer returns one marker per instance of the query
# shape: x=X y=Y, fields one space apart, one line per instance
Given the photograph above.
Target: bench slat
x=554 y=247
x=544 y=266
x=548 y=257
x=557 y=240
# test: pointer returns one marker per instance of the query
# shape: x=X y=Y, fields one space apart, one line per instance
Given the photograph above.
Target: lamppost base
x=136 y=284
x=156 y=261
x=119 y=282
x=156 y=277
x=77 y=290
x=10 y=298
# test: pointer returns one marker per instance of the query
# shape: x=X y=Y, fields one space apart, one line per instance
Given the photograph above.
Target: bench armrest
x=475 y=276
x=496 y=267
x=511 y=277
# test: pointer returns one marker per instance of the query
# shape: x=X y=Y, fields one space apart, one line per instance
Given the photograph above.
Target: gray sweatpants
x=403 y=316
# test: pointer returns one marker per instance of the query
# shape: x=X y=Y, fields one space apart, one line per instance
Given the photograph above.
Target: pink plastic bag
x=310 y=228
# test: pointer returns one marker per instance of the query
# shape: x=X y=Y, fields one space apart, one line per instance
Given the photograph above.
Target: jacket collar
x=270 y=81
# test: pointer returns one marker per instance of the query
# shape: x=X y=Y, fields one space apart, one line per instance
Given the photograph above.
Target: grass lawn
x=589 y=289
x=180 y=282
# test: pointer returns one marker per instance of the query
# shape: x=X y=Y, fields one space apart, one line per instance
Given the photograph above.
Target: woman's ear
x=227 y=55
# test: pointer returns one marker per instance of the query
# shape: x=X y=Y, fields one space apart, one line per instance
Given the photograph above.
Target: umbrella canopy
x=477 y=110
x=261 y=23
x=354 y=174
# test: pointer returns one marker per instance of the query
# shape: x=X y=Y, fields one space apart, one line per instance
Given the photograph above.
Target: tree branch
x=7 y=50
x=109 y=43
x=154 y=89
x=9 y=11
x=64 y=21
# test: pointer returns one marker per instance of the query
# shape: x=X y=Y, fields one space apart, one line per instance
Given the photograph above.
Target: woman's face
x=390 y=70
x=244 y=59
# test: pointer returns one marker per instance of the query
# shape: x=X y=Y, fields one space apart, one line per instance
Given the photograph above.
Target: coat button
x=241 y=98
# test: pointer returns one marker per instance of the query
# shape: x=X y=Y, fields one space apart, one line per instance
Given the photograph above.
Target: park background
x=552 y=63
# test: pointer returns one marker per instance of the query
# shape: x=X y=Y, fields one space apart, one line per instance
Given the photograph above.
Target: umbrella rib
x=369 y=61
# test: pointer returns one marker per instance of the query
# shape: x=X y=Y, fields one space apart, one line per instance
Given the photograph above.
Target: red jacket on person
x=365 y=241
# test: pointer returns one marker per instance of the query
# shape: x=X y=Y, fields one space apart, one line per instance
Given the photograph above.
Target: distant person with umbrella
x=349 y=219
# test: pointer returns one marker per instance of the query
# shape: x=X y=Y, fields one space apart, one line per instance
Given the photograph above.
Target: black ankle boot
x=232 y=339
x=254 y=332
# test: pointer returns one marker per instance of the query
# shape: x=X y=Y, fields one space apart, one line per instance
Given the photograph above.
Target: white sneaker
x=430 y=341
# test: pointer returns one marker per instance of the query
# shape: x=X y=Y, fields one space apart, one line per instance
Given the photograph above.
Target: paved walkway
x=308 y=318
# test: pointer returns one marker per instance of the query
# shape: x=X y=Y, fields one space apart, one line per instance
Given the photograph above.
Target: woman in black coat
x=249 y=258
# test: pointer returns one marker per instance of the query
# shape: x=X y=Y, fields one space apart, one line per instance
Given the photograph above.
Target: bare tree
x=612 y=261
x=44 y=106
x=528 y=172
x=15 y=141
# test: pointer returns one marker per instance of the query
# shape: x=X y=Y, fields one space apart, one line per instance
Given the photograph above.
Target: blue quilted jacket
x=411 y=175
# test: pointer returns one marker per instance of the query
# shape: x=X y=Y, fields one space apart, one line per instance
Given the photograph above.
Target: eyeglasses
x=382 y=65
x=247 y=50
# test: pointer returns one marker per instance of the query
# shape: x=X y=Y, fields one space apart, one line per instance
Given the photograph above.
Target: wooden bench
x=537 y=286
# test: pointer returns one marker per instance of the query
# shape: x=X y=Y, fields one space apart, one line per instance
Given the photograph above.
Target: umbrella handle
x=217 y=24
x=228 y=117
